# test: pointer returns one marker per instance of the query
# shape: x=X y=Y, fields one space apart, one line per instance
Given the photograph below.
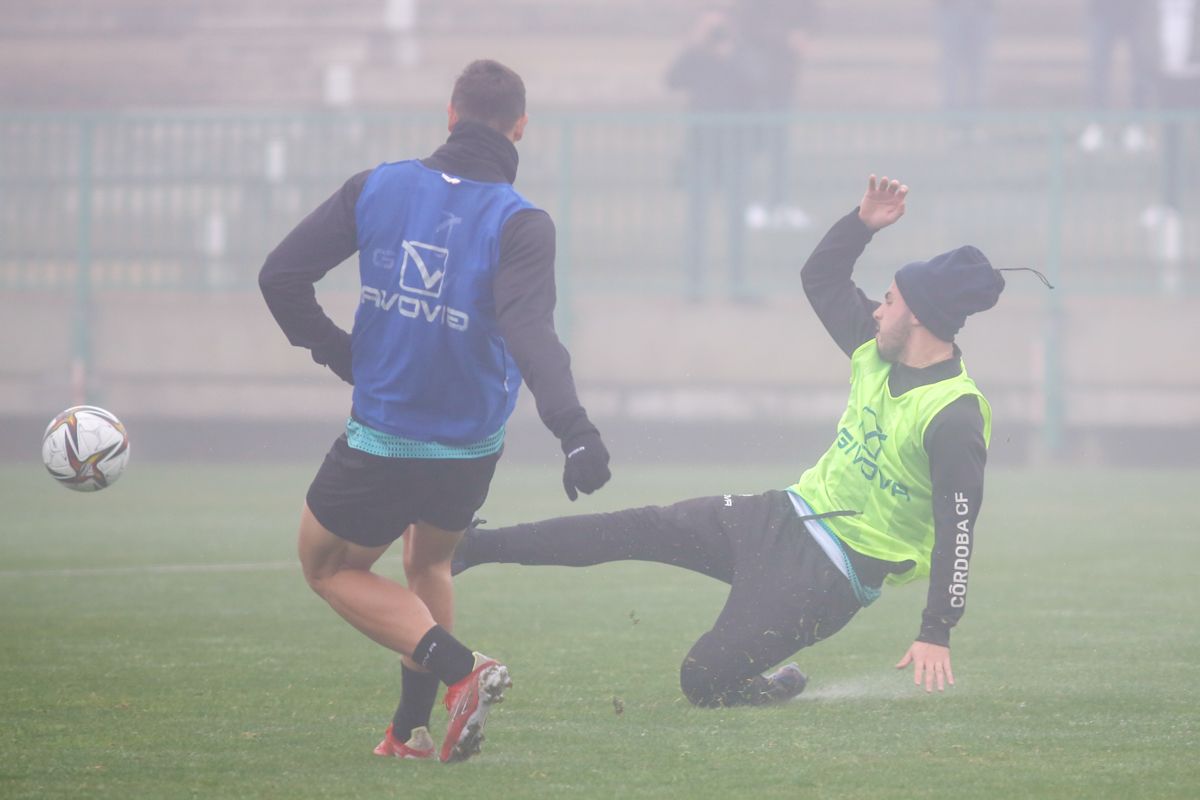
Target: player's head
x=936 y=296
x=492 y=94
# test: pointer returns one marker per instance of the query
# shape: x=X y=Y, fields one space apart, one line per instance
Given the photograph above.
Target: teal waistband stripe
x=832 y=545
x=388 y=445
x=865 y=594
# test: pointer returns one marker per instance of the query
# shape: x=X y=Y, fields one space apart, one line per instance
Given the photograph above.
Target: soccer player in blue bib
x=456 y=309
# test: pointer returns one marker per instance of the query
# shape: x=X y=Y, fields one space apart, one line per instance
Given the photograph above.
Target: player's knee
x=318 y=560
x=318 y=571
x=314 y=579
x=700 y=684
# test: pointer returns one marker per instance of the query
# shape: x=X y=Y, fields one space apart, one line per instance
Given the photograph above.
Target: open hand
x=883 y=202
x=931 y=664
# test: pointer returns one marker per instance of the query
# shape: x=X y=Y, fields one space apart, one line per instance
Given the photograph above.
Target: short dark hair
x=490 y=93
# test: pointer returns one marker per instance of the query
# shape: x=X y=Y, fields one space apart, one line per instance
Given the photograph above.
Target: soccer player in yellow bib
x=895 y=497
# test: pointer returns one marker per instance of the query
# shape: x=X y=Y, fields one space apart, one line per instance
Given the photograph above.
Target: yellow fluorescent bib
x=878 y=466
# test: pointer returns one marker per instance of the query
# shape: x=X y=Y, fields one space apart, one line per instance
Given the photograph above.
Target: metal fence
x=188 y=201
x=699 y=206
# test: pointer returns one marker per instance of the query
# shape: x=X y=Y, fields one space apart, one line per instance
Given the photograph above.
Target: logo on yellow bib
x=865 y=449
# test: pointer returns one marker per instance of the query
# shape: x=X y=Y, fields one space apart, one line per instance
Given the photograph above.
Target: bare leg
x=427 y=553
x=340 y=572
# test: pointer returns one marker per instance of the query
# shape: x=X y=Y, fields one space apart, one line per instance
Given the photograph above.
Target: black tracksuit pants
x=785 y=592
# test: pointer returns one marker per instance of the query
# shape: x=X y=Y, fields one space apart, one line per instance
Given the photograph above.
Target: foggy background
x=691 y=154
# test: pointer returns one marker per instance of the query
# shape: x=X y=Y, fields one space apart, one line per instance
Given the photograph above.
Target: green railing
x=195 y=202
x=644 y=202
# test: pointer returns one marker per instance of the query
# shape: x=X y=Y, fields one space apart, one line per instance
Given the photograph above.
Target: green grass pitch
x=157 y=641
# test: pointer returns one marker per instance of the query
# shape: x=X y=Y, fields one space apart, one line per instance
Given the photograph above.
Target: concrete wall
x=668 y=373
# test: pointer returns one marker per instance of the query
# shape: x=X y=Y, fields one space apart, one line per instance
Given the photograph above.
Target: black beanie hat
x=942 y=291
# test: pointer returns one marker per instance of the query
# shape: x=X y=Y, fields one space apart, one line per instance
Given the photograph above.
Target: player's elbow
x=811 y=278
x=269 y=281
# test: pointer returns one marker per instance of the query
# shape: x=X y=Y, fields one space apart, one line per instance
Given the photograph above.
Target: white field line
x=161 y=569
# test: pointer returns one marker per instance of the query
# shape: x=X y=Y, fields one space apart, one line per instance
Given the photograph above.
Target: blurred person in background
x=456 y=308
x=1178 y=90
x=716 y=90
x=1179 y=83
x=964 y=31
x=397 y=41
x=1109 y=23
x=771 y=39
x=895 y=497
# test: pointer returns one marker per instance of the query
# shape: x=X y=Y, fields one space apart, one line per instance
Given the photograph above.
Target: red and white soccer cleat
x=469 y=702
x=419 y=744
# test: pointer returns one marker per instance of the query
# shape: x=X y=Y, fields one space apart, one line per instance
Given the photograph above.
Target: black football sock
x=444 y=656
x=418 y=692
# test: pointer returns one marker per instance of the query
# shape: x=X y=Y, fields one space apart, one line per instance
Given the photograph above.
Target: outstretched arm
x=957 y=457
x=827 y=275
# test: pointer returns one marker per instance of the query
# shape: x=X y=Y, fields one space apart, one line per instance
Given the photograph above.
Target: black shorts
x=370 y=500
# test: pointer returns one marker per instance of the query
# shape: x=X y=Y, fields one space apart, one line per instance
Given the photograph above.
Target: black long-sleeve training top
x=953 y=439
x=523 y=287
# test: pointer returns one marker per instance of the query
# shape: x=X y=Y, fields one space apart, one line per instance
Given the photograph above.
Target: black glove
x=586 y=469
x=335 y=354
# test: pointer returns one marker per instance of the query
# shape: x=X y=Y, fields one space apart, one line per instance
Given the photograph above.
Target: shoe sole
x=794 y=692
x=384 y=750
x=492 y=683
x=409 y=756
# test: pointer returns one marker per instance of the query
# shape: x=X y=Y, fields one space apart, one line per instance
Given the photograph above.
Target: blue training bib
x=429 y=361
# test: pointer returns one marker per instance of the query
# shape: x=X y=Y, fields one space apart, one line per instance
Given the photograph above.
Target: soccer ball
x=85 y=448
